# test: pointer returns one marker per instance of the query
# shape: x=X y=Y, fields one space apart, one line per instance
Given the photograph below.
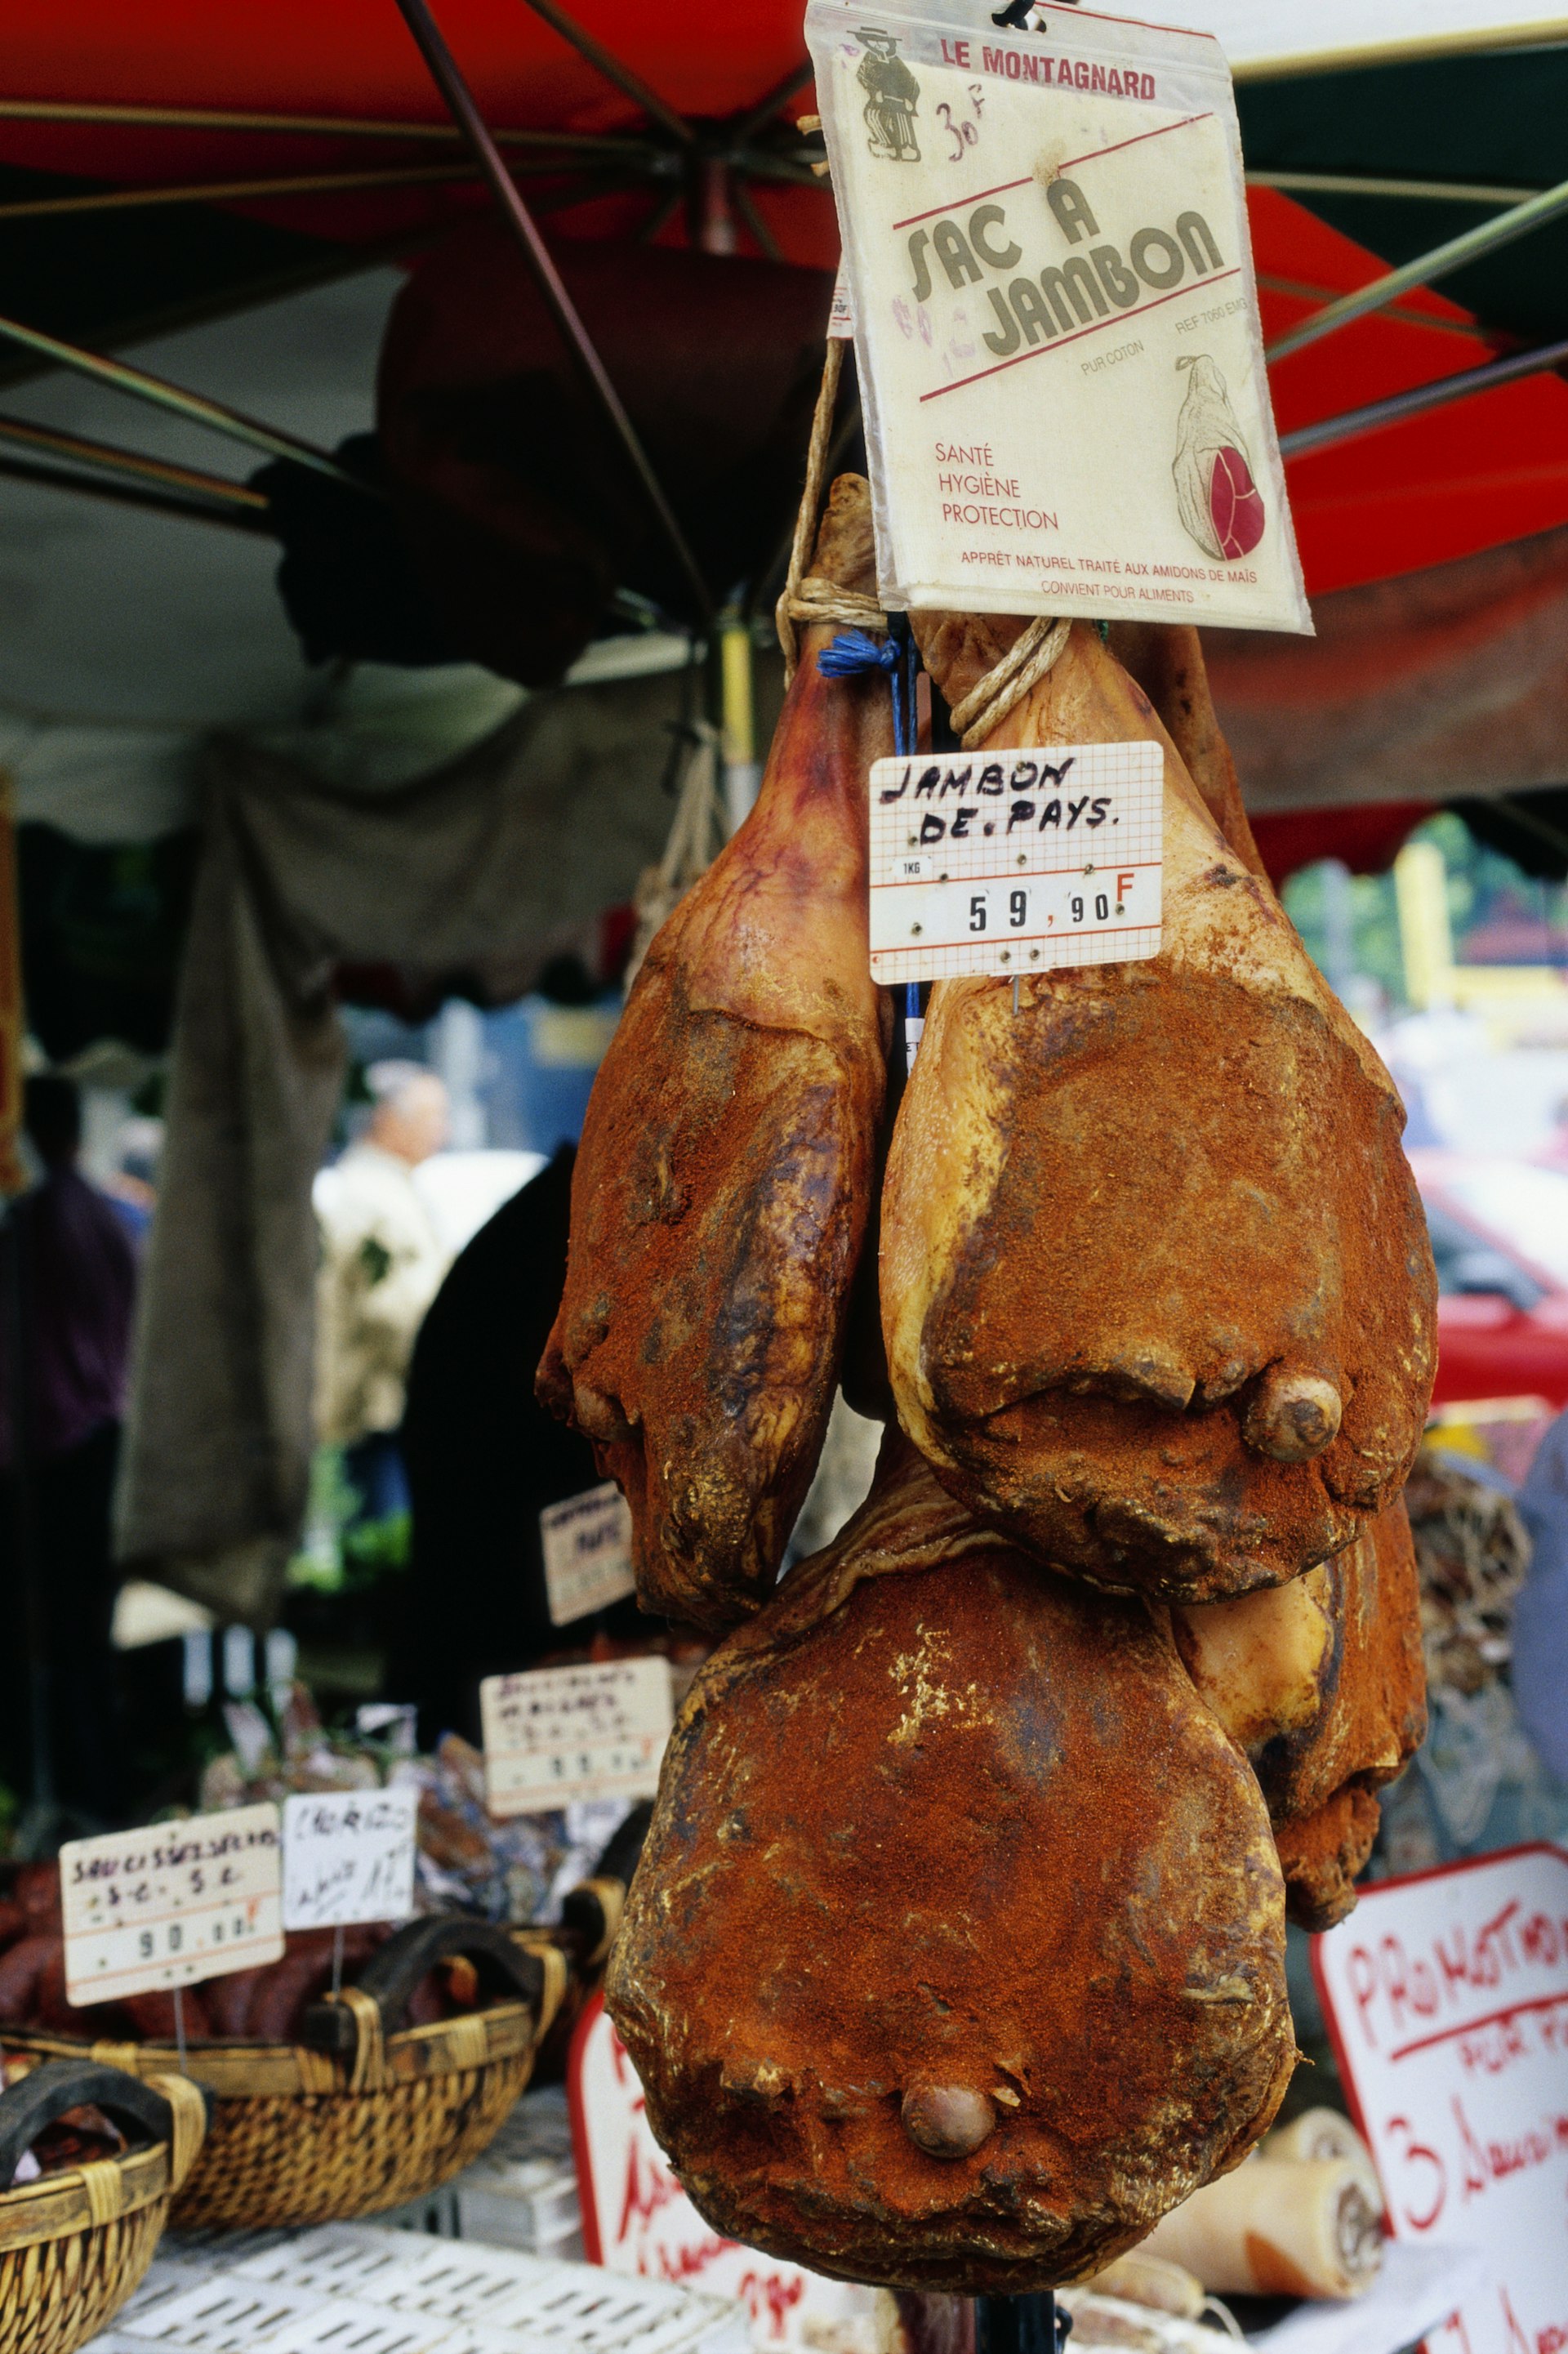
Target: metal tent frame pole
x=448 y=79
x=1437 y=395
x=1020 y=2324
x=195 y=407
x=1518 y=222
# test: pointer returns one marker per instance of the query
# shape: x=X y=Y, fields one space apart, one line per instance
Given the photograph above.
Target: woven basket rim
x=224 y=2063
x=144 y=2177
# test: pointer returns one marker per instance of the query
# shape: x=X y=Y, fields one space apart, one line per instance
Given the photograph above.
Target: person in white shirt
x=382 y=1263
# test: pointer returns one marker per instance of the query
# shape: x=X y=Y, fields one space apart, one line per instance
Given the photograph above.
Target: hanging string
x=784 y=613
x=1007 y=682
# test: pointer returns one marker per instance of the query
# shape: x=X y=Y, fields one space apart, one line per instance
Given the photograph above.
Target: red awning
x=1438 y=487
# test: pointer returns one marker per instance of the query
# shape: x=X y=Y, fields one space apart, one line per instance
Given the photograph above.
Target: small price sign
x=587 y=1544
x=1015 y=862
x=162 y=1908
x=348 y=1855
x=558 y=1734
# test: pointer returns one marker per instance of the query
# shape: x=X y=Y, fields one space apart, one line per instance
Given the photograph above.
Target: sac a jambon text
x=1064 y=296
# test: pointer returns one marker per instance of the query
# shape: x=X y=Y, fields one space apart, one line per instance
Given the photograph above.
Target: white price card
x=164 y=1907
x=558 y=1734
x=587 y=1544
x=348 y=1855
x=1057 y=329
x=1015 y=862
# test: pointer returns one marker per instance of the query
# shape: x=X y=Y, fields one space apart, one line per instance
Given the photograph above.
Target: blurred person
x=131 y=1186
x=485 y=1458
x=1541 y=1613
x=68 y=1280
x=382 y=1263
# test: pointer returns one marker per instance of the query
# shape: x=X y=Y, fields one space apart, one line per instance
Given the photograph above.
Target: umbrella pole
x=1421 y=397
x=193 y=406
x=1518 y=222
x=448 y=77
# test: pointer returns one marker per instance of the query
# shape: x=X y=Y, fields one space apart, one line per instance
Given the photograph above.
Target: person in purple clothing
x=67 y=1280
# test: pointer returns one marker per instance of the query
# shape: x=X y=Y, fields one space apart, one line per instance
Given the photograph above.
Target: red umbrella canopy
x=709 y=62
x=1460 y=479
x=706 y=58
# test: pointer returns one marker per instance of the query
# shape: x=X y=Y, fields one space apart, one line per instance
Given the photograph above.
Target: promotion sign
x=146 y=1910
x=637 y=2219
x=1056 y=330
x=1446 y=1996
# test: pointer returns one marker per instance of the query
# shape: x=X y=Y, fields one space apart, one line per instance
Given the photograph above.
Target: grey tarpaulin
x=1439 y=685
x=497 y=861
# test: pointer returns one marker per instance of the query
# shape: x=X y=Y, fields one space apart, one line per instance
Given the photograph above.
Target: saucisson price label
x=164 y=1907
x=348 y=1855
x=1015 y=862
x=556 y=1733
x=587 y=1544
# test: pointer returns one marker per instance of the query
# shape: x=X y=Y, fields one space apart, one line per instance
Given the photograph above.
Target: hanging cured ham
x=1156 y=1286
x=1323 y=1684
x=955 y=1956
x=1166 y=663
x=725 y=1178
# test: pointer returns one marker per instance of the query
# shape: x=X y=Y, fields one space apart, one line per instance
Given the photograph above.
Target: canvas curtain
x=494 y=864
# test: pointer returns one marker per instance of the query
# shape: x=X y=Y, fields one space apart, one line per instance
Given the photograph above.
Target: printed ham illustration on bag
x=1220 y=503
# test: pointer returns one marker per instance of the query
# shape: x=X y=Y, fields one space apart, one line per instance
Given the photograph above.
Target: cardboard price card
x=1055 y=319
x=348 y=1855
x=557 y=1733
x=164 y=1907
x=587 y=1544
x=1446 y=1997
x=1015 y=862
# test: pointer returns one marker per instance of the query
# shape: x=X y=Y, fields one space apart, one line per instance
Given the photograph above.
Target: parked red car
x=1500 y=1235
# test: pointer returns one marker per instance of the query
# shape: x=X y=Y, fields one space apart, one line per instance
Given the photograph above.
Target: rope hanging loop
x=1006 y=684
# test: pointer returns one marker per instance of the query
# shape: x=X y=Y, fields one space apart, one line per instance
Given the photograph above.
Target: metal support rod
x=766 y=243
x=1362 y=183
x=193 y=406
x=1437 y=394
x=312 y=126
x=129 y=494
x=1304 y=291
x=449 y=80
x=630 y=84
x=104 y=457
x=779 y=97
x=1518 y=222
x=1019 y=2325
x=742 y=774
x=223 y=191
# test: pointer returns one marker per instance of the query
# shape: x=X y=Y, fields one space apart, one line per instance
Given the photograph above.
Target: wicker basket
x=74 y=2245
x=366 y=2114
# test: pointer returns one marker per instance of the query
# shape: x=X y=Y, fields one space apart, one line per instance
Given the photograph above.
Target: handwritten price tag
x=587 y=1544
x=165 y=1907
x=558 y=1734
x=348 y=1855
x=1015 y=862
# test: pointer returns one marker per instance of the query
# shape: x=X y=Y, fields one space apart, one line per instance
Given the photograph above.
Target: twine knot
x=852 y=654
